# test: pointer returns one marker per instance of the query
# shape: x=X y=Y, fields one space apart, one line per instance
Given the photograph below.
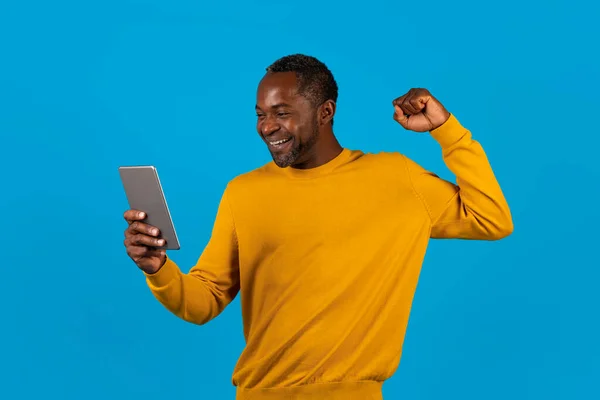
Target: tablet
x=144 y=193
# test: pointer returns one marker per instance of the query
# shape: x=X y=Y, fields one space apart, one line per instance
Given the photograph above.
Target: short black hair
x=315 y=80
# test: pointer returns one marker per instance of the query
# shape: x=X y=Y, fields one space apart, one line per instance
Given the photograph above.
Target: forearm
x=191 y=296
x=479 y=209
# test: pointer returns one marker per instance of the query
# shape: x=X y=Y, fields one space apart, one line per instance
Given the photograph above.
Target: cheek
x=291 y=126
x=303 y=127
x=307 y=129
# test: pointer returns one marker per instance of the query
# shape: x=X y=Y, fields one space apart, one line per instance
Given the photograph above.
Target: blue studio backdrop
x=88 y=86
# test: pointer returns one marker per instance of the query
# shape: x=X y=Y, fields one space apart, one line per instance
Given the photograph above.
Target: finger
x=137 y=252
x=402 y=102
x=141 y=227
x=134 y=215
x=418 y=103
x=398 y=101
x=400 y=116
x=145 y=240
x=405 y=109
x=408 y=107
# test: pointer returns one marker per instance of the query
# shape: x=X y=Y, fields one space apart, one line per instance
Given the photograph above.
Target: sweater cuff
x=164 y=276
x=449 y=132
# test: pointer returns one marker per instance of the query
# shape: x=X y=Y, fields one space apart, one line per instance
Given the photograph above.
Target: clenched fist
x=419 y=111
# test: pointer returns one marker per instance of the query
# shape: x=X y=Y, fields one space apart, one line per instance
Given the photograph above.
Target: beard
x=290 y=157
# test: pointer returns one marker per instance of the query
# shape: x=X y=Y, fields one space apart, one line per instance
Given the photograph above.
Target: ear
x=326 y=112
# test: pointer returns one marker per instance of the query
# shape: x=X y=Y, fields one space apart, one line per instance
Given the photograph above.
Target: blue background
x=88 y=86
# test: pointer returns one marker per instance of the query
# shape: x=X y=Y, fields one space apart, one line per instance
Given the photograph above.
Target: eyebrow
x=278 y=105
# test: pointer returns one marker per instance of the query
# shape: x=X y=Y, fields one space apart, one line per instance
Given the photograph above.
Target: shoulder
x=400 y=165
x=248 y=181
x=387 y=159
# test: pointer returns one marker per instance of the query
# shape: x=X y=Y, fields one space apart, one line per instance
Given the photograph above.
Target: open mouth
x=280 y=144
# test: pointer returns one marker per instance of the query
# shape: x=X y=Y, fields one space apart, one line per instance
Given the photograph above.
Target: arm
x=475 y=208
x=204 y=292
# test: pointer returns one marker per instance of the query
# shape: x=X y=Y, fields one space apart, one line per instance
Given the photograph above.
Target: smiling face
x=287 y=121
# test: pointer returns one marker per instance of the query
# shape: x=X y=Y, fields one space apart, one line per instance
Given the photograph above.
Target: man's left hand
x=419 y=111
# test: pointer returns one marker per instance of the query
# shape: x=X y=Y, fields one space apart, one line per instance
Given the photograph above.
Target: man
x=325 y=244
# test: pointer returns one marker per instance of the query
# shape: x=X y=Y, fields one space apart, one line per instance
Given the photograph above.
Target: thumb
x=400 y=117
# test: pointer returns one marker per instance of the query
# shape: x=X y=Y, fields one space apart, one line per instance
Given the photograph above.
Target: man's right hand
x=141 y=241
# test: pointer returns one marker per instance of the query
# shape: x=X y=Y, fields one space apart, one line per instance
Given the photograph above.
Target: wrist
x=441 y=121
x=164 y=275
x=154 y=269
x=449 y=133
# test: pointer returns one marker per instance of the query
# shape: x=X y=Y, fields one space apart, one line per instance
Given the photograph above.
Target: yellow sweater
x=327 y=260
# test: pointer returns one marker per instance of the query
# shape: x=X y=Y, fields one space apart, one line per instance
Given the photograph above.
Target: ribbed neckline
x=317 y=171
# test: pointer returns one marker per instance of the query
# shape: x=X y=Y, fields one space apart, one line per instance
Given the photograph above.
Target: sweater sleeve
x=211 y=284
x=475 y=207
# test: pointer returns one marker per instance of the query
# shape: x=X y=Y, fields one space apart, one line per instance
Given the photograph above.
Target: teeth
x=279 y=142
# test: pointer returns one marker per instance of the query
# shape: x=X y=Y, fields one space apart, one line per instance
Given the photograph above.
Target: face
x=287 y=121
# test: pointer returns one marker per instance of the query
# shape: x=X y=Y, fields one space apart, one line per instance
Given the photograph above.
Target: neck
x=325 y=150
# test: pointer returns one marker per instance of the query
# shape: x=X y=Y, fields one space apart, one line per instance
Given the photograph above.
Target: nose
x=268 y=127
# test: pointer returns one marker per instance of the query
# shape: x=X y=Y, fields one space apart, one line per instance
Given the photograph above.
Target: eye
x=282 y=114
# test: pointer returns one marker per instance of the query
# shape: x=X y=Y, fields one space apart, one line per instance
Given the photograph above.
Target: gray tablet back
x=144 y=193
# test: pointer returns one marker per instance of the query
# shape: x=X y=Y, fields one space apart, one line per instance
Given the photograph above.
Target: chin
x=285 y=160
x=282 y=162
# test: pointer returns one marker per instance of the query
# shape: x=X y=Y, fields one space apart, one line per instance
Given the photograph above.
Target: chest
x=324 y=212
